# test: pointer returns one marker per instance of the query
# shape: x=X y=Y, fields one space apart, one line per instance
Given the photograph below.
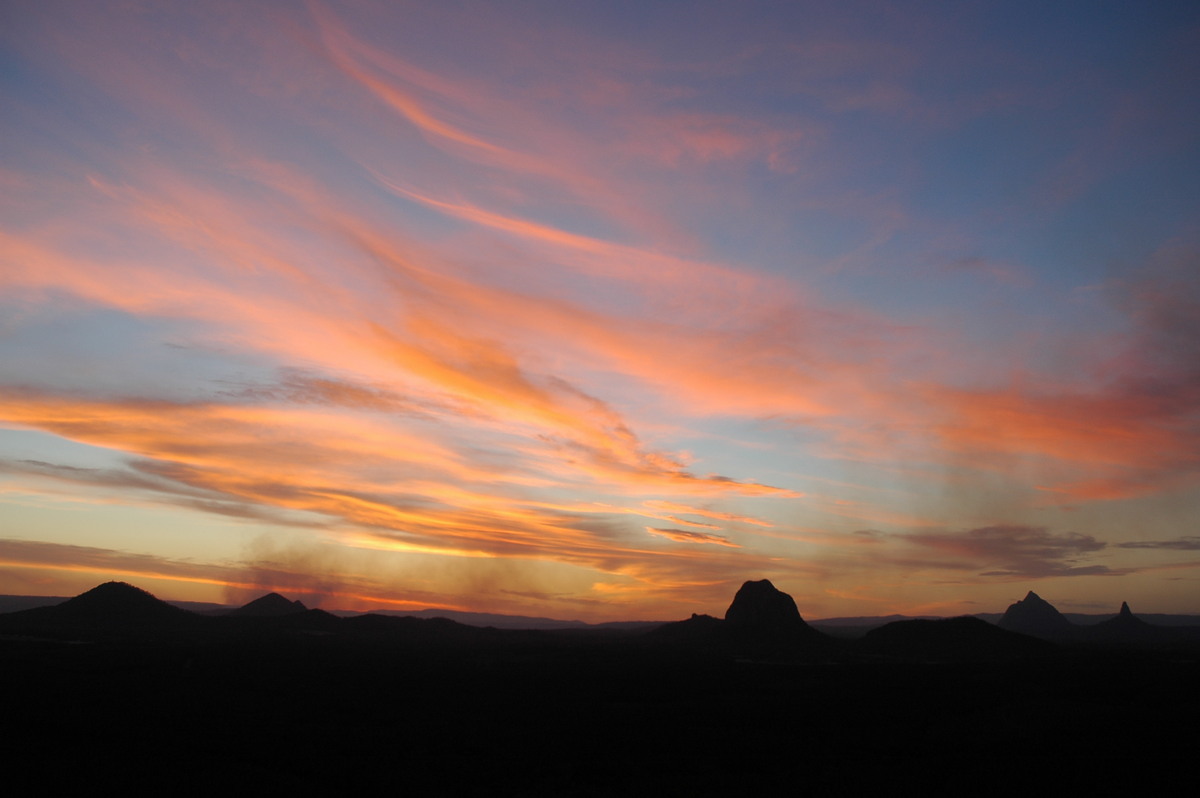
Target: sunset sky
x=597 y=309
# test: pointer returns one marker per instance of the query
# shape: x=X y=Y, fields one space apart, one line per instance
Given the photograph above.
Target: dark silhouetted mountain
x=951 y=639
x=762 y=621
x=699 y=629
x=1125 y=628
x=873 y=620
x=112 y=605
x=306 y=621
x=498 y=621
x=1153 y=618
x=761 y=607
x=430 y=633
x=1035 y=616
x=761 y=624
x=271 y=605
x=479 y=619
x=854 y=628
x=201 y=607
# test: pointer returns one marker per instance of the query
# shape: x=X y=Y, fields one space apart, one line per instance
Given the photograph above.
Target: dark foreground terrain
x=307 y=703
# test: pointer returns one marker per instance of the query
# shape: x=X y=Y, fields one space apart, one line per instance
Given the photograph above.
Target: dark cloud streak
x=1189 y=543
x=688 y=536
x=1018 y=550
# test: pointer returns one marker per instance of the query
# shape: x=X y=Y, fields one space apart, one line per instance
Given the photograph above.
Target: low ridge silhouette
x=952 y=639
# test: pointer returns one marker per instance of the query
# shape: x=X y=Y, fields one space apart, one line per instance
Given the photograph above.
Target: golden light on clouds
x=528 y=312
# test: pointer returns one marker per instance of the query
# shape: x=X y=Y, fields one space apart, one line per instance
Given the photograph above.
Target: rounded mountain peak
x=117 y=603
x=760 y=605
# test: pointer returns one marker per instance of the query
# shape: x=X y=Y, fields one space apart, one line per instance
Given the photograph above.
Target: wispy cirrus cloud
x=324 y=469
x=446 y=287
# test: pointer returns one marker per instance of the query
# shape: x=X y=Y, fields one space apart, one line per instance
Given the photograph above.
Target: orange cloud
x=707 y=513
x=342 y=48
x=1122 y=445
x=441 y=108
x=237 y=583
x=344 y=472
x=455 y=311
x=430 y=356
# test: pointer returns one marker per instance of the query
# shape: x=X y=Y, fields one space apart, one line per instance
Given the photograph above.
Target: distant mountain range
x=1036 y=617
x=761 y=621
x=115 y=684
x=840 y=626
x=10 y=604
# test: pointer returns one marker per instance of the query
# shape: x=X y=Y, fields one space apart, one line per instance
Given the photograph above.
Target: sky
x=596 y=310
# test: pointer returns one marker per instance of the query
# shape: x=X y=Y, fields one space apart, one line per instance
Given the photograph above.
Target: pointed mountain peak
x=1125 y=627
x=1033 y=615
x=270 y=605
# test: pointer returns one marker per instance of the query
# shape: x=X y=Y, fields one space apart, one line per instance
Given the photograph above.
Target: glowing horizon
x=597 y=311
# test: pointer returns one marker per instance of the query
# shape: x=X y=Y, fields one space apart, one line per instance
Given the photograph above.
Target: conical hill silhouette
x=112 y=605
x=1035 y=616
x=271 y=605
x=1125 y=628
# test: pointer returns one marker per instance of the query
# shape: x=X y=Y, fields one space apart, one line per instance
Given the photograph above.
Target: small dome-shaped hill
x=110 y=606
x=114 y=603
x=954 y=639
